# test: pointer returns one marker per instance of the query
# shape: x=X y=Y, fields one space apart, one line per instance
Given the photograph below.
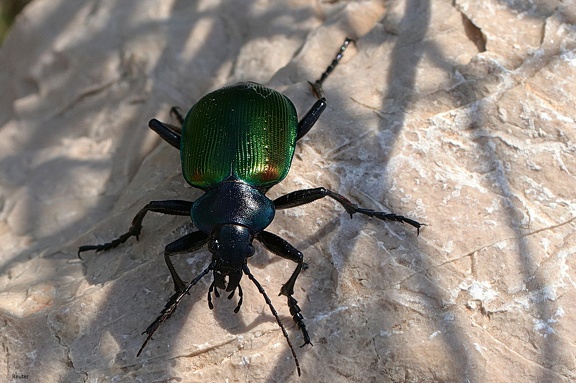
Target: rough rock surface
x=459 y=114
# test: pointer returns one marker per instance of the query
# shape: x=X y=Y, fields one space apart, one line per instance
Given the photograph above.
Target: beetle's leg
x=169 y=133
x=301 y=197
x=172 y=207
x=282 y=248
x=317 y=85
x=171 y=306
x=310 y=118
x=217 y=283
x=187 y=244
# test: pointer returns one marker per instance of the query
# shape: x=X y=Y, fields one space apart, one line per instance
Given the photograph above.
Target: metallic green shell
x=245 y=130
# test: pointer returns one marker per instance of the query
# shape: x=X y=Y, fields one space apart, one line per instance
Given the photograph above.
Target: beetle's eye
x=250 y=251
x=213 y=245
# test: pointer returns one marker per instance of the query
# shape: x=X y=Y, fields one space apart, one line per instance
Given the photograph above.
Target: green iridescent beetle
x=235 y=144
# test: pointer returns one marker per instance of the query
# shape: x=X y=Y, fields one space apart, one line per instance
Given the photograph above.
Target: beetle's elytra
x=235 y=144
x=245 y=130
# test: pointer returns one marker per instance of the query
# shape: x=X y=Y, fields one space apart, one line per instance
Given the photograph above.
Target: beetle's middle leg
x=171 y=207
x=282 y=248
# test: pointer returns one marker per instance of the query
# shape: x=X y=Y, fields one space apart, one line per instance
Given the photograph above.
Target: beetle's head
x=231 y=246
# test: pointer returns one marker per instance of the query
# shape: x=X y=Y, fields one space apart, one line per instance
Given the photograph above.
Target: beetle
x=235 y=144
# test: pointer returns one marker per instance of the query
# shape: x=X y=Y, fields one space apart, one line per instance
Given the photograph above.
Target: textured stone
x=458 y=114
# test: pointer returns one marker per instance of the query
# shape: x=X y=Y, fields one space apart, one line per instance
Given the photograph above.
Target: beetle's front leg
x=302 y=197
x=171 y=207
x=187 y=244
x=282 y=248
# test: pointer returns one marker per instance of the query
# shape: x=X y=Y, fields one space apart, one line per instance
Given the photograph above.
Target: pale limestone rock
x=458 y=114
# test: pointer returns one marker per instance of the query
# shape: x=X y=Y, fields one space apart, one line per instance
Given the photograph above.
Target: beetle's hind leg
x=169 y=133
x=172 y=207
x=310 y=118
x=317 y=85
x=302 y=197
x=282 y=248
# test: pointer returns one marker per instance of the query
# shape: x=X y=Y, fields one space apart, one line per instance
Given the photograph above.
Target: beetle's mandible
x=235 y=144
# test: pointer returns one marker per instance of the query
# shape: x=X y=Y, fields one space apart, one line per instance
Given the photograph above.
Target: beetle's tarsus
x=112 y=244
x=295 y=311
x=317 y=85
x=391 y=217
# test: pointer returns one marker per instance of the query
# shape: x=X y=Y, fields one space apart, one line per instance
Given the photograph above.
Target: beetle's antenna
x=269 y=303
x=171 y=306
x=317 y=85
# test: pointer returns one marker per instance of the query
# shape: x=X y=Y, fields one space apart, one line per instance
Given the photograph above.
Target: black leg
x=302 y=197
x=295 y=311
x=169 y=133
x=310 y=118
x=187 y=244
x=282 y=248
x=172 y=207
x=171 y=306
x=317 y=85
